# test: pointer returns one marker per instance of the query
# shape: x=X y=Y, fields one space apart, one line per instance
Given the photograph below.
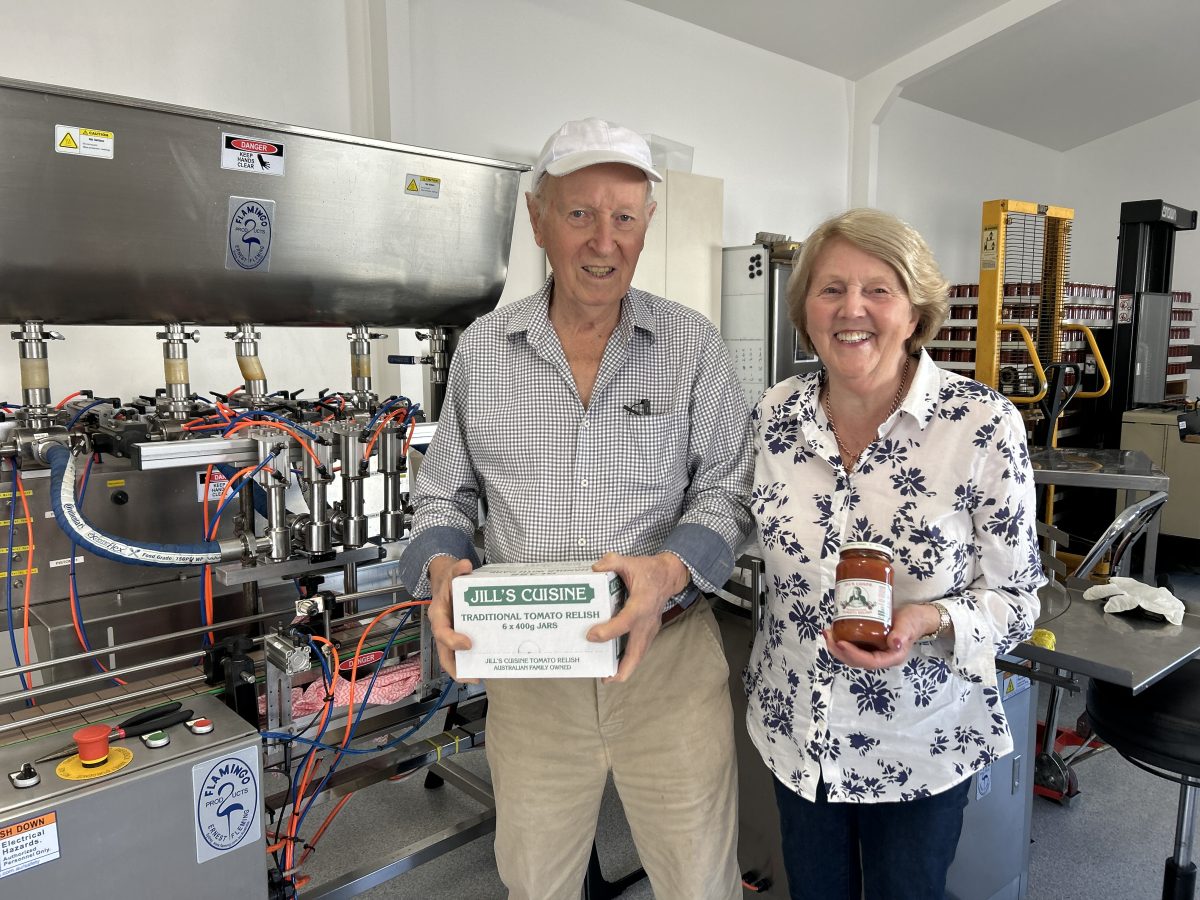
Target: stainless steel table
x=1125 y=649
x=1128 y=471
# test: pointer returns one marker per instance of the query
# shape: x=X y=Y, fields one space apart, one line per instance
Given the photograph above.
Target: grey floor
x=1111 y=842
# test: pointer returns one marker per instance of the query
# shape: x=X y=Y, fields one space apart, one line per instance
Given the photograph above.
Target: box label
x=520 y=594
x=528 y=621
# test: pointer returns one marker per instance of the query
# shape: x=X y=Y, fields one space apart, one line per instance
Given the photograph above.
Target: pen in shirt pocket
x=640 y=408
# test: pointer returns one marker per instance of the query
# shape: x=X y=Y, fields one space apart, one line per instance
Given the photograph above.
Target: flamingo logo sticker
x=227 y=803
x=250 y=232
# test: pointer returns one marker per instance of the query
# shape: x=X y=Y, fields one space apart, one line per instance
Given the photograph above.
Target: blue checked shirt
x=661 y=459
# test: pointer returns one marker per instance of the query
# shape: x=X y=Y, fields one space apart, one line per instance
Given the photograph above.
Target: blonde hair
x=896 y=243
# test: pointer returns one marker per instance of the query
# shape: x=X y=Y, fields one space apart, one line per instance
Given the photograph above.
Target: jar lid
x=885 y=549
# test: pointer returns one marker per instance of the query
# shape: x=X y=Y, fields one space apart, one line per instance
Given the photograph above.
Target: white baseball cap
x=589 y=142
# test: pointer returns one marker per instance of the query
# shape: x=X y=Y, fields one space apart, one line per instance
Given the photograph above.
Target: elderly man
x=596 y=421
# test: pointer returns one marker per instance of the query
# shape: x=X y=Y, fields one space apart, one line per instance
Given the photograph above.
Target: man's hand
x=649 y=581
x=442 y=570
x=910 y=623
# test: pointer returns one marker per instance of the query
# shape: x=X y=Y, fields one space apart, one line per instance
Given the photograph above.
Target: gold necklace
x=847 y=462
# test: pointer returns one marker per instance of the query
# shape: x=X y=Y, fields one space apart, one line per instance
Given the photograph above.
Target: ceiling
x=1073 y=72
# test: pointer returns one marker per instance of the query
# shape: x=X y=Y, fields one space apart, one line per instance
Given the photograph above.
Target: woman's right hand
x=442 y=572
x=910 y=624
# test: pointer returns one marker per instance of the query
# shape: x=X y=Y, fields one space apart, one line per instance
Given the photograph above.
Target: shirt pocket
x=656 y=445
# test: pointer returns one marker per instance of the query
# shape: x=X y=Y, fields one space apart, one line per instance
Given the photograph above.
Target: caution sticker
x=422 y=186
x=29 y=843
x=19 y=573
x=250 y=154
x=83 y=141
x=989 y=248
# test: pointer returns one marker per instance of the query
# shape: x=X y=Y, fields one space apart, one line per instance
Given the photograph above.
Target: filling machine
x=220 y=558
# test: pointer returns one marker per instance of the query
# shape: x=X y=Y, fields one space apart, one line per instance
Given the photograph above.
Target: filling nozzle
x=360 y=338
x=245 y=341
x=35 y=374
x=175 y=369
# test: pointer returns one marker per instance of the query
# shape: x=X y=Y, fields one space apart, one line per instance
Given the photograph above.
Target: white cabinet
x=682 y=257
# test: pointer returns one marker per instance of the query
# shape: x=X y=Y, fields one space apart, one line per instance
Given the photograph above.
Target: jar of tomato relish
x=862 y=596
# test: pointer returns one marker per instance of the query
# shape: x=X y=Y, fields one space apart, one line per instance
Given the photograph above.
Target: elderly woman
x=873 y=749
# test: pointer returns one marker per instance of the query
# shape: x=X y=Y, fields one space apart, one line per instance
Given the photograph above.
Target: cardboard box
x=530 y=620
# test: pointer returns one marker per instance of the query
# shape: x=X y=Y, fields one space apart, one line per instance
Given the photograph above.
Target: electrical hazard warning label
x=423 y=186
x=83 y=141
x=251 y=154
x=26 y=844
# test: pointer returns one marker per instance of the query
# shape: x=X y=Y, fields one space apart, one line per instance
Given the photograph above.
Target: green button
x=156 y=739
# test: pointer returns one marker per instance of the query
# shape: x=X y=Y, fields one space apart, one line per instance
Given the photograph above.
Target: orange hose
x=306 y=777
x=412 y=429
x=379 y=430
x=246 y=423
x=349 y=716
x=358 y=652
x=208 y=592
x=28 y=559
x=67 y=399
x=204 y=504
x=312 y=845
x=79 y=632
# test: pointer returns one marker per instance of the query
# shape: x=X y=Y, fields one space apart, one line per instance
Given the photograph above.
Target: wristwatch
x=944 y=622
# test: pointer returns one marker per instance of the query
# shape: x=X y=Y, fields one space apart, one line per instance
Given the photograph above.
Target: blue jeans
x=881 y=851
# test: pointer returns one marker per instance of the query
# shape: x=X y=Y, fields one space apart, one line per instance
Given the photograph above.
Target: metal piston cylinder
x=316 y=534
x=391 y=464
x=278 y=534
x=353 y=521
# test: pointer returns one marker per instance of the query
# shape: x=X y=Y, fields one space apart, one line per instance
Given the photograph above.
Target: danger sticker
x=250 y=154
x=216 y=484
x=422 y=186
x=26 y=844
x=83 y=141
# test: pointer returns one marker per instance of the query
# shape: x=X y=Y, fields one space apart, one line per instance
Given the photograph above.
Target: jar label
x=861 y=598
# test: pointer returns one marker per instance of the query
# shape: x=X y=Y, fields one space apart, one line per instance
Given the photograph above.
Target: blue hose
x=136 y=553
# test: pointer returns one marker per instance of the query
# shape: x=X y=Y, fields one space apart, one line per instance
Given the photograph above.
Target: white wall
x=936 y=171
x=495 y=79
x=1156 y=160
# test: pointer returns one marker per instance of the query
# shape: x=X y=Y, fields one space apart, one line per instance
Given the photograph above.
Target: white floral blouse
x=947 y=483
